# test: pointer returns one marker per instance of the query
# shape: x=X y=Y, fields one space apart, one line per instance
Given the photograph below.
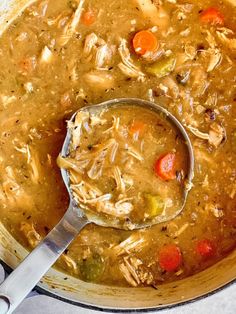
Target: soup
x=58 y=57
x=127 y=164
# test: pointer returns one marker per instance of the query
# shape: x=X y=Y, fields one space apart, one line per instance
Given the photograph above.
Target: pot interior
x=72 y=289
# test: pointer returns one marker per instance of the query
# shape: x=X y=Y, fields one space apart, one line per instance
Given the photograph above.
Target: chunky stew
x=128 y=164
x=59 y=56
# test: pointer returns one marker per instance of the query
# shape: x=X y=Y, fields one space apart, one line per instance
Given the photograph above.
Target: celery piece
x=155 y=204
x=162 y=67
x=91 y=268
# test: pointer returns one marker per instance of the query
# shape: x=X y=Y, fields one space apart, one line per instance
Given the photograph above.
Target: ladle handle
x=26 y=276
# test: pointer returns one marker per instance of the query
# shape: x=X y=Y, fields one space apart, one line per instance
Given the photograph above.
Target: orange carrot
x=165 y=166
x=206 y=248
x=170 y=257
x=212 y=16
x=144 y=41
x=137 y=127
x=88 y=18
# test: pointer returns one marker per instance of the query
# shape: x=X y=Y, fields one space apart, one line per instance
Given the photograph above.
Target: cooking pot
x=95 y=296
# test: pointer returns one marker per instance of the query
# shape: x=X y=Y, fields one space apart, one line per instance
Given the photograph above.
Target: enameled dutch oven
x=104 y=298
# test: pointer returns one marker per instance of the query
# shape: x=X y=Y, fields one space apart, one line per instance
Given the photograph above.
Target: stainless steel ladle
x=23 y=279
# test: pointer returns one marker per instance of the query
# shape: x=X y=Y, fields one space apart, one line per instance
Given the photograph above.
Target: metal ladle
x=23 y=279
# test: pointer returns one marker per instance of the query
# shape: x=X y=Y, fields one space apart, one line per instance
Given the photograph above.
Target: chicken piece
x=119 y=180
x=127 y=66
x=230 y=43
x=134 y=243
x=156 y=14
x=36 y=167
x=46 y=55
x=76 y=127
x=120 y=209
x=70 y=28
x=70 y=263
x=217 y=134
x=215 y=210
x=173 y=88
x=30 y=233
x=200 y=81
x=99 y=80
x=215 y=137
x=90 y=43
x=103 y=52
x=215 y=59
x=135 y=272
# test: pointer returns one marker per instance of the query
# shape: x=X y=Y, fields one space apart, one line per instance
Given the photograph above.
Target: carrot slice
x=170 y=257
x=206 y=248
x=212 y=16
x=165 y=166
x=137 y=127
x=144 y=41
x=88 y=18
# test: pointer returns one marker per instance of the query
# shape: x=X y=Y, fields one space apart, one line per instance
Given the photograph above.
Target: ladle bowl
x=23 y=279
x=156 y=109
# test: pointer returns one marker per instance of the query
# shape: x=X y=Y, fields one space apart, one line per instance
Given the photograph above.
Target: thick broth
x=48 y=71
x=127 y=164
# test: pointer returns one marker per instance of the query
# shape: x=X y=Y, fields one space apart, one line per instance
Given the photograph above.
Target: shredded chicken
x=134 y=243
x=70 y=28
x=99 y=80
x=215 y=58
x=29 y=88
x=127 y=66
x=172 y=86
x=135 y=272
x=157 y=15
x=200 y=81
x=107 y=145
x=103 y=56
x=96 y=120
x=181 y=229
x=30 y=233
x=152 y=56
x=34 y=163
x=210 y=39
x=12 y=193
x=73 y=164
x=119 y=181
x=96 y=47
x=223 y=36
x=9 y=183
x=120 y=209
x=215 y=210
x=70 y=263
x=196 y=132
x=90 y=43
x=216 y=134
x=76 y=126
x=183 y=10
x=5 y=100
x=86 y=194
x=24 y=150
x=133 y=152
x=46 y=55
x=95 y=172
x=190 y=51
x=115 y=125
